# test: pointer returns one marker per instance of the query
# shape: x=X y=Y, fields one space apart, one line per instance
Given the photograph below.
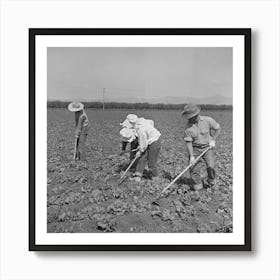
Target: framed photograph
x=140 y=139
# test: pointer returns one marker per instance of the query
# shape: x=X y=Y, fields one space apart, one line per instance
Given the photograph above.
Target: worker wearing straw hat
x=200 y=133
x=129 y=135
x=82 y=128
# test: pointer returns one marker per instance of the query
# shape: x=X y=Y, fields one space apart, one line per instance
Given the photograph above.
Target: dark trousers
x=151 y=156
x=133 y=145
x=82 y=145
x=196 y=172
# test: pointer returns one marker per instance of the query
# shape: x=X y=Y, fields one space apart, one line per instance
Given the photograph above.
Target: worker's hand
x=138 y=154
x=192 y=159
x=212 y=143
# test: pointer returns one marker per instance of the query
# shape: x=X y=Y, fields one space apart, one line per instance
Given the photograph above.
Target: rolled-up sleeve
x=188 y=136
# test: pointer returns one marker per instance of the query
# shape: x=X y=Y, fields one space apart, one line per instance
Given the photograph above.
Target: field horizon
x=144 y=105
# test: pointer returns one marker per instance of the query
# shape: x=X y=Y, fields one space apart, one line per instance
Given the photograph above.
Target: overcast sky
x=81 y=73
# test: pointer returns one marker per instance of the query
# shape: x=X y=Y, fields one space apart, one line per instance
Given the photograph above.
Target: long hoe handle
x=177 y=177
x=75 y=149
x=123 y=176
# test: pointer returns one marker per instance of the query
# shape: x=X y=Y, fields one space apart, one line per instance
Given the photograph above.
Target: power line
x=103 y=98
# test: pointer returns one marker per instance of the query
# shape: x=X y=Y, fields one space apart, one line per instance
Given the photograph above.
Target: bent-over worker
x=149 y=147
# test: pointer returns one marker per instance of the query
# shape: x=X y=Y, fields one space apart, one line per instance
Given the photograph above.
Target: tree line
x=121 y=105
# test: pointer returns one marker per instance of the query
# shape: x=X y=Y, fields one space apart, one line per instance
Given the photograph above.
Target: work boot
x=198 y=187
x=135 y=178
x=208 y=183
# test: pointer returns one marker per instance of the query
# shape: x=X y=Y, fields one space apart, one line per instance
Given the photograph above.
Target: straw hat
x=126 y=124
x=190 y=110
x=132 y=118
x=127 y=134
x=75 y=106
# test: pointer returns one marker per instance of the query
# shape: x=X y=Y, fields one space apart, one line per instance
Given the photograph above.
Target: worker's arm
x=188 y=138
x=216 y=130
x=124 y=144
x=123 y=148
x=142 y=140
x=80 y=126
x=216 y=133
x=190 y=151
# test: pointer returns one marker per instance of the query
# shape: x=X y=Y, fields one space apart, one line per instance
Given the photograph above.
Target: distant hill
x=123 y=105
x=215 y=100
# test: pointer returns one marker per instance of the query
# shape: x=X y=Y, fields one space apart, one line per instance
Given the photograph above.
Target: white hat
x=75 y=106
x=127 y=134
x=126 y=124
x=132 y=118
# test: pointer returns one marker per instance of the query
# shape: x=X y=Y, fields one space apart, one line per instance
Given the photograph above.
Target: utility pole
x=103 y=98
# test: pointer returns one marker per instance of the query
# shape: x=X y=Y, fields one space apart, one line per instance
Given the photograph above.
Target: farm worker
x=129 y=135
x=149 y=147
x=82 y=127
x=201 y=132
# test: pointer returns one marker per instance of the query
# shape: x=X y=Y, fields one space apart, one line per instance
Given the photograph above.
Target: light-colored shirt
x=147 y=133
x=83 y=124
x=143 y=121
x=200 y=133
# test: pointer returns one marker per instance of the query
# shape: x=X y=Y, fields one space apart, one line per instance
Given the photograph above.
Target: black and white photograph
x=141 y=141
x=112 y=149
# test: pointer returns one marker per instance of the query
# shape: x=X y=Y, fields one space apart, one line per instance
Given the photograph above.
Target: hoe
x=75 y=149
x=174 y=180
x=123 y=177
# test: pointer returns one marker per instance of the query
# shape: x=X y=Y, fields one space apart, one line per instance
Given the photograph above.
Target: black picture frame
x=246 y=32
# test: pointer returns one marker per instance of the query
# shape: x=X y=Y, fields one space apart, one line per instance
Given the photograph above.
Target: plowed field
x=86 y=197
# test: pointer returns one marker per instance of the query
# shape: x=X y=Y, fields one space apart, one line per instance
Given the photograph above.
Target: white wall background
x=15 y=19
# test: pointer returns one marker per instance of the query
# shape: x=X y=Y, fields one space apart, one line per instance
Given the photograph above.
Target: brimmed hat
x=132 y=118
x=190 y=110
x=75 y=106
x=127 y=134
x=126 y=124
